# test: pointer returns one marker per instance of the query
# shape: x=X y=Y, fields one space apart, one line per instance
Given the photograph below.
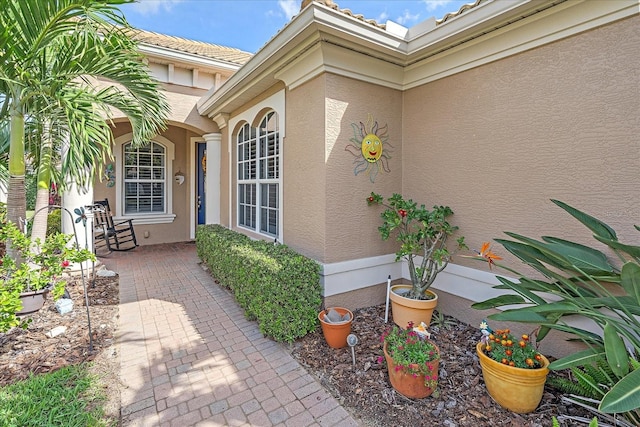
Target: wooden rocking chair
x=109 y=235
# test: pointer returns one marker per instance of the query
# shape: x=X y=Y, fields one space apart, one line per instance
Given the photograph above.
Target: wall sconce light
x=179 y=178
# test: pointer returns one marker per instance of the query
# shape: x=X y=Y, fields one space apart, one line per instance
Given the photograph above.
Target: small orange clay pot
x=405 y=309
x=336 y=333
x=516 y=389
x=405 y=383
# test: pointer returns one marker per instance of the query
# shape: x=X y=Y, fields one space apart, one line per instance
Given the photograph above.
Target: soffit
x=320 y=38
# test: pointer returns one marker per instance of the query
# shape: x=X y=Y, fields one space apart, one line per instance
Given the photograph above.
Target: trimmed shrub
x=275 y=285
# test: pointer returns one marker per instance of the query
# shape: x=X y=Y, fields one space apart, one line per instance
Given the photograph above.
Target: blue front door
x=201 y=167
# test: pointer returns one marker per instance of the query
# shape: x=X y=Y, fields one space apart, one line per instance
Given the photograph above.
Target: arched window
x=259 y=176
x=144 y=179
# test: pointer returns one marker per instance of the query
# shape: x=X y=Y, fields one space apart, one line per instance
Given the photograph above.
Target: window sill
x=147 y=219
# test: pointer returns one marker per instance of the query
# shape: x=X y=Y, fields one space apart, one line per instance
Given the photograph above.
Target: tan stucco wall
x=560 y=121
x=303 y=169
x=178 y=230
x=326 y=215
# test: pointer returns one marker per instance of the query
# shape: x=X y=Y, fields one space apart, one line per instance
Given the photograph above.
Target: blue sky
x=249 y=24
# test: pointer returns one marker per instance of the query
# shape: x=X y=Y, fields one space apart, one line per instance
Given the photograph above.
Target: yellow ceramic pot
x=405 y=310
x=516 y=389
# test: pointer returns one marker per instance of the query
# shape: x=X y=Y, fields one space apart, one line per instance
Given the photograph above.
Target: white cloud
x=408 y=18
x=434 y=4
x=289 y=7
x=383 y=17
x=145 y=7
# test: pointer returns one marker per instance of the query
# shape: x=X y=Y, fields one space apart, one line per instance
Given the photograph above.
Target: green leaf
x=580 y=358
x=583 y=257
x=498 y=302
x=521 y=315
x=634 y=251
x=624 y=396
x=598 y=227
x=630 y=280
x=617 y=356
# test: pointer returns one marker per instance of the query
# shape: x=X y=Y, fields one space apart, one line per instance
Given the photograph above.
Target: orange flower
x=488 y=255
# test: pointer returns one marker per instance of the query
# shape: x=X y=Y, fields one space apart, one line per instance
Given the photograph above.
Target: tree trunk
x=16 y=194
x=39 y=226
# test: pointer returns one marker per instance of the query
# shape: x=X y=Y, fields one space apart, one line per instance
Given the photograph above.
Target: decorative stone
x=106 y=273
x=64 y=305
x=58 y=330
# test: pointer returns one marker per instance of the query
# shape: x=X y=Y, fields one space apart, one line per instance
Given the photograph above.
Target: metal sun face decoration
x=370 y=147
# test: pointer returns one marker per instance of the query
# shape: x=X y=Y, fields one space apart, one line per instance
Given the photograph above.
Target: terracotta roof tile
x=464 y=8
x=207 y=50
x=331 y=4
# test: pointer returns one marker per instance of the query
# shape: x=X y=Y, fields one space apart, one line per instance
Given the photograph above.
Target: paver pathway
x=190 y=358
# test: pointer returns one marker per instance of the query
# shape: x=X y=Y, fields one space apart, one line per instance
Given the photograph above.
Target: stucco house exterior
x=492 y=110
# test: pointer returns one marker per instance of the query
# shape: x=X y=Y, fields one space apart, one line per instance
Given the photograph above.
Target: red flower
x=402 y=213
x=65 y=263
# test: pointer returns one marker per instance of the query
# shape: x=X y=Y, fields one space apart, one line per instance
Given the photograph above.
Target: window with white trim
x=259 y=176
x=144 y=178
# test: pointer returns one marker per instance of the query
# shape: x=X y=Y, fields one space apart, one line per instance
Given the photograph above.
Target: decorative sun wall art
x=370 y=147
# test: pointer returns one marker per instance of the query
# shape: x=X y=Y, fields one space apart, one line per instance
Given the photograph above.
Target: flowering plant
x=421 y=233
x=503 y=347
x=412 y=352
x=39 y=265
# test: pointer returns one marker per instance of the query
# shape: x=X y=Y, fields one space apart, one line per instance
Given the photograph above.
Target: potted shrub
x=423 y=236
x=412 y=360
x=38 y=270
x=573 y=279
x=336 y=325
x=513 y=370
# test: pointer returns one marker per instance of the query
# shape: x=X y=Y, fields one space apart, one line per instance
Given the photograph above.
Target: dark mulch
x=460 y=400
x=31 y=351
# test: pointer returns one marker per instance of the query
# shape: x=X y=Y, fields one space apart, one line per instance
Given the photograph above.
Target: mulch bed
x=31 y=351
x=460 y=400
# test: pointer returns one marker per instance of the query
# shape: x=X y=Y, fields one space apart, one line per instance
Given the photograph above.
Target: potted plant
x=38 y=270
x=423 y=236
x=336 y=325
x=514 y=371
x=412 y=360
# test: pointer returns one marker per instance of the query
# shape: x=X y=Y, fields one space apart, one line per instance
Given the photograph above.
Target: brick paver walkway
x=190 y=358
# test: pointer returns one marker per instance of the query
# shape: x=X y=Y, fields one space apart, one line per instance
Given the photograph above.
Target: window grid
x=259 y=175
x=144 y=178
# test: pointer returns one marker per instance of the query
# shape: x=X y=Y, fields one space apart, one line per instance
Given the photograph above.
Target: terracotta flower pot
x=405 y=309
x=516 y=389
x=32 y=301
x=335 y=333
x=407 y=384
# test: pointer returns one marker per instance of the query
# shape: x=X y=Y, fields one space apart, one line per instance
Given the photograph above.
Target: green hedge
x=274 y=284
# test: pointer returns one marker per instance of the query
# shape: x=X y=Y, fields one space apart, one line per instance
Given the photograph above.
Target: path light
x=352 y=340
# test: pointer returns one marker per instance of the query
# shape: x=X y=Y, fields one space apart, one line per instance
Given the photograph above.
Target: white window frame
x=152 y=217
x=255 y=137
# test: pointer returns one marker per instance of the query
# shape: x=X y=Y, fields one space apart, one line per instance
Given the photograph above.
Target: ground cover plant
x=68 y=396
x=92 y=376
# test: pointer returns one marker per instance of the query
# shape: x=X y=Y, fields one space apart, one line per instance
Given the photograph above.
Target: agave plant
x=583 y=281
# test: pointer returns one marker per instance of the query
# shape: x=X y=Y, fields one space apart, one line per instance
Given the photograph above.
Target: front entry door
x=201 y=166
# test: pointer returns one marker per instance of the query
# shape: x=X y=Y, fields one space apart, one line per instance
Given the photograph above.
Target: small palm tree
x=52 y=53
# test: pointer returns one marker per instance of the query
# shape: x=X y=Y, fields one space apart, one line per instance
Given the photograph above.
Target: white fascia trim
x=312 y=21
x=325 y=57
x=469 y=283
x=557 y=23
x=172 y=55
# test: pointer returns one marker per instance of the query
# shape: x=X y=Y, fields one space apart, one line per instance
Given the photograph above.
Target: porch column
x=212 y=180
x=74 y=198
